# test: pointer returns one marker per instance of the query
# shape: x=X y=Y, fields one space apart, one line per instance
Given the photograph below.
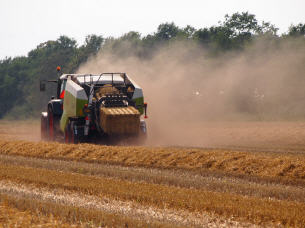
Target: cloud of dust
x=187 y=89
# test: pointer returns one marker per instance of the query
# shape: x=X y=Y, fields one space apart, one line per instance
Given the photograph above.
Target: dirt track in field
x=256 y=177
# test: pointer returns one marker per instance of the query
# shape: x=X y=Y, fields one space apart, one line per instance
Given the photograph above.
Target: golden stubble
x=262 y=164
x=253 y=209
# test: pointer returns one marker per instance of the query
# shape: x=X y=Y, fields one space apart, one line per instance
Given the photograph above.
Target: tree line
x=19 y=76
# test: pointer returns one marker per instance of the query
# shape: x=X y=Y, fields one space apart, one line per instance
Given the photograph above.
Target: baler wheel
x=73 y=138
x=69 y=135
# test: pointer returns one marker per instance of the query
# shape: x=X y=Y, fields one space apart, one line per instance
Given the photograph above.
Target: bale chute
x=120 y=120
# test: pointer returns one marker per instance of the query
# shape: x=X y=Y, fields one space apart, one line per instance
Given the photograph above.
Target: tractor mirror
x=42 y=86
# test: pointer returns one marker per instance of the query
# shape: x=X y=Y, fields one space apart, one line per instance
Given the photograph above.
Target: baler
x=103 y=107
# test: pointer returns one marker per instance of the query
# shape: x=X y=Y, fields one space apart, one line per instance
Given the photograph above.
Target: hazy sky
x=25 y=24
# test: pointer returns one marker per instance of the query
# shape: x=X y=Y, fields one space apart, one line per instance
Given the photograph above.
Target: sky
x=26 y=24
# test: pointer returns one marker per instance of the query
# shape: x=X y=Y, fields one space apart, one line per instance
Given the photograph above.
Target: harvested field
x=10 y=216
x=263 y=164
x=23 y=205
x=89 y=185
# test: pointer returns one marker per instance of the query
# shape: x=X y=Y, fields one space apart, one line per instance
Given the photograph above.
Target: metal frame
x=95 y=84
x=118 y=100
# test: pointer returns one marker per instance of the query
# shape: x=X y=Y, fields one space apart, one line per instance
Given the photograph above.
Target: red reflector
x=62 y=95
x=62 y=107
x=86 y=118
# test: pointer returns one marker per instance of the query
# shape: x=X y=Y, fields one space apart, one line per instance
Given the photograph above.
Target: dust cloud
x=189 y=91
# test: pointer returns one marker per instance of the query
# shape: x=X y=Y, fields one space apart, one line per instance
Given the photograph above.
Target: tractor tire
x=143 y=133
x=44 y=126
x=67 y=134
x=51 y=130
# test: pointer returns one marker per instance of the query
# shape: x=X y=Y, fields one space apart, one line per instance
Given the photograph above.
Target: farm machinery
x=105 y=107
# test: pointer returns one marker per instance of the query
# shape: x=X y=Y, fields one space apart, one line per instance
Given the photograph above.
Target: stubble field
x=241 y=174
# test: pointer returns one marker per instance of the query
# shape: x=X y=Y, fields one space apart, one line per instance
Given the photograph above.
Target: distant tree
x=203 y=35
x=93 y=43
x=131 y=36
x=268 y=28
x=166 y=31
x=297 y=30
x=244 y=27
x=66 y=42
x=217 y=38
x=241 y=24
x=189 y=31
x=128 y=44
x=13 y=77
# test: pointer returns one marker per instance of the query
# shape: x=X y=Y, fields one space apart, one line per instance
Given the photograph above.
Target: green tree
x=297 y=30
x=166 y=31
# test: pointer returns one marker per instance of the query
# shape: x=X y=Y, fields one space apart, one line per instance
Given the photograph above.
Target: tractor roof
x=104 y=78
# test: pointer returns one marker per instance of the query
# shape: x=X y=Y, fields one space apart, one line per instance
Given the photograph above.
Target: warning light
x=58 y=68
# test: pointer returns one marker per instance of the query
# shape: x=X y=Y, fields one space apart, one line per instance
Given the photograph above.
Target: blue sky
x=25 y=24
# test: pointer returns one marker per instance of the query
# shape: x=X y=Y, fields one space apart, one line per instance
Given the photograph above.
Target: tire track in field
x=129 y=209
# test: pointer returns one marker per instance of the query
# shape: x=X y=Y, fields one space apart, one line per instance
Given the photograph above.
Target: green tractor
x=105 y=108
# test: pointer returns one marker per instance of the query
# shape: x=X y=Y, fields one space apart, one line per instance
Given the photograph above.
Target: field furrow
x=160 y=196
x=242 y=185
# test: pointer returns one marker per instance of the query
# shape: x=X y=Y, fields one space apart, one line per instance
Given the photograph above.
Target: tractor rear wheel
x=51 y=124
x=67 y=134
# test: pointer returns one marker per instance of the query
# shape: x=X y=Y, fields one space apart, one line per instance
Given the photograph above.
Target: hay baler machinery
x=93 y=108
